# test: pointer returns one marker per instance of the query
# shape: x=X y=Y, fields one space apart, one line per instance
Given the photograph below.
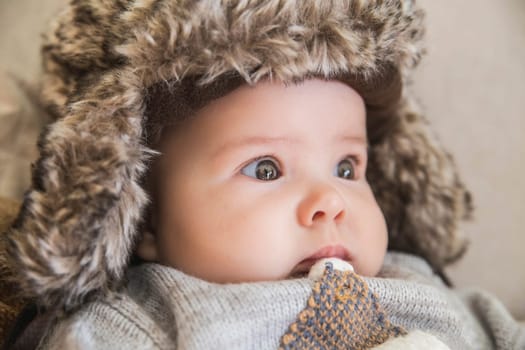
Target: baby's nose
x=322 y=205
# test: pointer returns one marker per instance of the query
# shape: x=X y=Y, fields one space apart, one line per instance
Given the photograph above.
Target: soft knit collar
x=192 y=311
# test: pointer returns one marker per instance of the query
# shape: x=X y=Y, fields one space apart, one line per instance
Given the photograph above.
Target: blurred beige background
x=472 y=85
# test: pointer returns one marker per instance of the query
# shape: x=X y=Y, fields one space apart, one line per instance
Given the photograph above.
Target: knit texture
x=342 y=313
x=163 y=308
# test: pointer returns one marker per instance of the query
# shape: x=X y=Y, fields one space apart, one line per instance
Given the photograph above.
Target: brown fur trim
x=418 y=188
x=11 y=302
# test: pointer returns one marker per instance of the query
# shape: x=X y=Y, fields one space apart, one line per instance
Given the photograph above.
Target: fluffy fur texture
x=74 y=235
x=10 y=302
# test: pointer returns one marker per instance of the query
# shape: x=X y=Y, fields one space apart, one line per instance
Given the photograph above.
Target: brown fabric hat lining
x=170 y=102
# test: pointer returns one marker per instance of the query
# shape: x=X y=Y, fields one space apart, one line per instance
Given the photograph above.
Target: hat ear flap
x=77 y=224
x=417 y=186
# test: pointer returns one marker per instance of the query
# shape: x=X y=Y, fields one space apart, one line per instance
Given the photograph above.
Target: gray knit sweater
x=162 y=308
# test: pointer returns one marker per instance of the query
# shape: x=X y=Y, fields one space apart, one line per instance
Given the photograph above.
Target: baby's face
x=264 y=181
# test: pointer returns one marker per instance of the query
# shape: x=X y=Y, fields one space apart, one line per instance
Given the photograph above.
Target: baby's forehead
x=314 y=114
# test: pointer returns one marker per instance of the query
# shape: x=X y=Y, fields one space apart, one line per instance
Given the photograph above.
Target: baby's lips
x=317 y=269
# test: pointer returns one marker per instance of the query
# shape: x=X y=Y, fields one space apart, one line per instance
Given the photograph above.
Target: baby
x=258 y=185
x=263 y=182
x=232 y=146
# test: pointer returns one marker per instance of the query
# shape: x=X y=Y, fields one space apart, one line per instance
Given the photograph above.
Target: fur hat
x=102 y=60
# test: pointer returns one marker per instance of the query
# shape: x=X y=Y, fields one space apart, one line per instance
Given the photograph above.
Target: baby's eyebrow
x=267 y=140
x=254 y=141
x=353 y=139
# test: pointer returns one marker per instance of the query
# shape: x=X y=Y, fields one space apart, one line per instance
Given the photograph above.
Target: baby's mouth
x=337 y=251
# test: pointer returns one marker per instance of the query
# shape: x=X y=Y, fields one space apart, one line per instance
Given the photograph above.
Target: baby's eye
x=345 y=169
x=265 y=169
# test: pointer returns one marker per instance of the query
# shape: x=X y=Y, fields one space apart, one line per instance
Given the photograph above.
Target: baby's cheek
x=373 y=244
x=267 y=255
